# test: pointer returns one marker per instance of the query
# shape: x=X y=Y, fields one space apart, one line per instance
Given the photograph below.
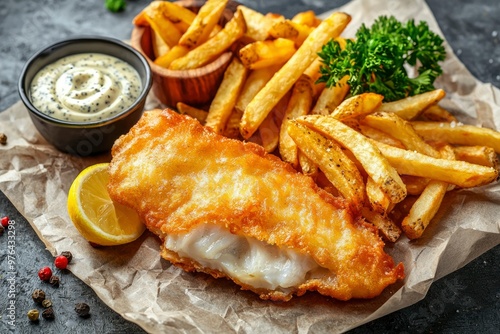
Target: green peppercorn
x=48 y=314
x=33 y=315
x=47 y=303
x=38 y=296
x=82 y=309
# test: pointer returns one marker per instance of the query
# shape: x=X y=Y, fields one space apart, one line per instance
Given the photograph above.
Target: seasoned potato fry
x=284 y=79
x=331 y=97
x=481 y=155
x=374 y=163
x=258 y=25
x=414 y=184
x=225 y=98
x=299 y=104
x=254 y=82
x=378 y=199
x=357 y=105
x=163 y=27
x=460 y=173
x=424 y=209
x=307 y=18
x=380 y=136
x=458 y=134
x=307 y=166
x=401 y=130
x=436 y=113
x=295 y=32
x=267 y=53
x=213 y=47
x=412 y=106
x=174 y=53
x=332 y=161
x=181 y=16
x=389 y=230
x=269 y=133
x=199 y=114
x=207 y=18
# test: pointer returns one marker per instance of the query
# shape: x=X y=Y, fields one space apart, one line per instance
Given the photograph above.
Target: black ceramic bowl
x=89 y=138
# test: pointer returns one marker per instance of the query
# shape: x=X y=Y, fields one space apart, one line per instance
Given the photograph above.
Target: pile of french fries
x=392 y=162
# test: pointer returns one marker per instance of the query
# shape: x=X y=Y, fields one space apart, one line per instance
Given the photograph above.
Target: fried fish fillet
x=226 y=208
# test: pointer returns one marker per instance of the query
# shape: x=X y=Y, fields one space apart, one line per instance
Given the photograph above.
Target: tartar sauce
x=85 y=87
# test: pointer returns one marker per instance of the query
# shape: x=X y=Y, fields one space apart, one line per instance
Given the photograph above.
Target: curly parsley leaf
x=375 y=61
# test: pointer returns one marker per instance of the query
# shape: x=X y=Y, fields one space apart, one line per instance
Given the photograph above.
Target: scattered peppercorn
x=68 y=255
x=48 y=314
x=47 y=303
x=3 y=138
x=33 y=315
x=5 y=221
x=61 y=262
x=38 y=296
x=45 y=273
x=82 y=309
x=54 y=281
x=1 y=230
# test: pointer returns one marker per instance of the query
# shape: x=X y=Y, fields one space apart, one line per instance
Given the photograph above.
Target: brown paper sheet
x=146 y=290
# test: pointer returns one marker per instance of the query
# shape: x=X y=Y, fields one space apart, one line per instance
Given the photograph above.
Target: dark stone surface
x=465 y=301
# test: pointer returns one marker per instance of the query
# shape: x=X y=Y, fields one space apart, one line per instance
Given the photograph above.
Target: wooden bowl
x=196 y=87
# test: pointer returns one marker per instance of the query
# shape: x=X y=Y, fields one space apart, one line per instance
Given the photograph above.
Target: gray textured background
x=467 y=301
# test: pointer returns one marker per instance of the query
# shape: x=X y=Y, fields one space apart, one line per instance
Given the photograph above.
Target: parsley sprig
x=375 y=60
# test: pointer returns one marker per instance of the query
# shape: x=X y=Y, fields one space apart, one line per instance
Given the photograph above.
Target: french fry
x=307 y=18
x=162 y=26
x=254 y=82
x=401 y=130
x=199 y=114
x=380 y=136
x=226 y=95
x=284 y=79
x=258 y=25
x=481 y=155
x=313 y=73
x=412 y=106
x=374 y=163
x=299 y=104
x=379 y=201
x=232 y=129
x=269 y=133
x=389 y=230
x=307 y=166
x=207 y=18
x=159 y=46
x=357 y=105
x=458 y=134
x=331 y=97
x=174 y=53
x=180 y=16
x=332 y=161
x=213 y=47
x=267 y=53
x=436 y=113
x=414 y=184
x=460 y=173
x=293 y=31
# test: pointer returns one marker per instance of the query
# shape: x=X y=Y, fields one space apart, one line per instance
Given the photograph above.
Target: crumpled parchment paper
x=136 y=283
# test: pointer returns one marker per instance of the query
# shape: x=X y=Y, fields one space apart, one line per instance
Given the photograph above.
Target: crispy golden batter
x=179 y=175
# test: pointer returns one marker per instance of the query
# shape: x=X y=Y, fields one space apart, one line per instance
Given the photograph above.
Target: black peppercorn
x=54 y=281
x=67 y=255
x=82 y=309
x=38 y=296
x=48 y=314
x=3 y=138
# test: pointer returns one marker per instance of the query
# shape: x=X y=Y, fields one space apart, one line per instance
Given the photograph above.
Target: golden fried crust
x=177 y=174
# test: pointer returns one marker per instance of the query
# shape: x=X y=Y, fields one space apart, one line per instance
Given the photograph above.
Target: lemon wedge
x=95 y=215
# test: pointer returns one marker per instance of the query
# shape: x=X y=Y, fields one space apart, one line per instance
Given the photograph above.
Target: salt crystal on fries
x=284 y=79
